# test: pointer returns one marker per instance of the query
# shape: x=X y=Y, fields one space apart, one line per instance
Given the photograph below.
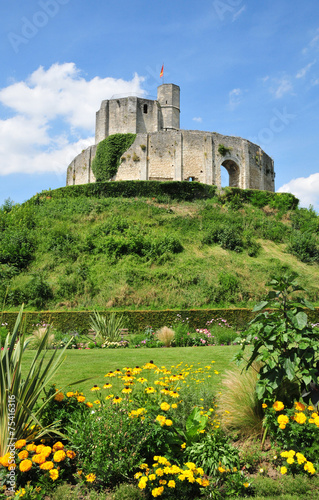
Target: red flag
x=162 y=71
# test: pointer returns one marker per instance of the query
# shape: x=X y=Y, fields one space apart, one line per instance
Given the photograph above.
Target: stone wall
x=185 y=155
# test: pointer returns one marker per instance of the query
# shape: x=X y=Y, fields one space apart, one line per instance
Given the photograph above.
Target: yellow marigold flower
x=310 y=408
x=156 y=492
x=152 y=477
x=58 y=446
x=90 y=477
x=20 y=444
x=81 y=399
x=38 y=459
x=69 y=394
x=47 y=466
x=182 y=477
x=31 y=447
x=171 y=484
x=54 y=474
x=59 y=396
x=126 y=390
x=5 y=459
x=278 y=406
x=264 y=405
x=59 y=456
x=107 y=386
x=89 y=404
x=143 y=466
x=162 y=481
x=162 y=460
x=300 y=458
x=290 y=460
x=150 y=390
x=316 y=420
x=291 y=453
x=205 y=483
x=46 y=451
x=161 y=419
x=183 y=446
x=284 y=454
x=20 y=493
x=283 y=470
x=300 y=418
x=165 y=406
x=309 y=467
x=246 y=485
x=142 y=482
x=117 y=400
x=25 y=465
x=70 y=454
x=95 y=388
x=221 y=469
x=299 y=406
x=23 y=454
x=190 y=465
x=168 y=422
x=283 y=419
x=174 y=405
x=159 y=472
x=138 y=475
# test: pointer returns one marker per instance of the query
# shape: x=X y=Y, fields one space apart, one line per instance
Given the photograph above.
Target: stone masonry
x=163 y=152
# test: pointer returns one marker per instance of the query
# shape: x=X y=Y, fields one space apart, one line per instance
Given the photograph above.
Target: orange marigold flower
x=70 y=454
x=47 y=466
x=300 y=406
x=300 y=418
x=54 y=474
x=38 y=459
x=20 y=444
x=23 y=454
x=81 y=399
x=31 y=447
x=39 y=448
x=278 y=406
x=59 y=456
x=25 y=465
x=59 y=396
x=58 y=446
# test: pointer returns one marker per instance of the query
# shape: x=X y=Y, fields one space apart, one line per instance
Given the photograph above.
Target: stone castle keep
x=163 y=152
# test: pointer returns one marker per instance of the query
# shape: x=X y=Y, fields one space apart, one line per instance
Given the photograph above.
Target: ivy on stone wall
x=108 y=155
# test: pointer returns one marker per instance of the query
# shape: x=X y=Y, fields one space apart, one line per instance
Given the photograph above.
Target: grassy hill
x=85 y=247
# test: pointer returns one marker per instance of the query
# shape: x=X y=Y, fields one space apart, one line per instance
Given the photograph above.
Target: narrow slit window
x=145 y=108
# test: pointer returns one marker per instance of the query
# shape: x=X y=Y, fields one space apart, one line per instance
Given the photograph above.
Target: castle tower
x=168 y=96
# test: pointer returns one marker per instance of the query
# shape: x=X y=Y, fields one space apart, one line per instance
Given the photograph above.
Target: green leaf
x=260 y=306
x=299 y=320
x=290 y=368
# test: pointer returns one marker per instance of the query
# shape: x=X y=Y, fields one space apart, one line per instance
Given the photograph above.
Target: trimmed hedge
x=135 y=321
x=180 y=191
x=175 y=190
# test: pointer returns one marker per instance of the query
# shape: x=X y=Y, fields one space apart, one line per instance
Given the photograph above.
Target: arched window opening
x=145 y=108
x=229 y=174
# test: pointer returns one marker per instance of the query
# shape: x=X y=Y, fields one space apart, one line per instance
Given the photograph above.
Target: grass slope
x=90 y=252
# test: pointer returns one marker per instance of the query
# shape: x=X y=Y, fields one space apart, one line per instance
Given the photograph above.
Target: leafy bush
x=16 y=247
x=38 y=291
x=108 y=155
x=304 y=246
x=284 y=342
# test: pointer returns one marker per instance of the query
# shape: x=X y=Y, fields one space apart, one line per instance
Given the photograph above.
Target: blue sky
x=245 y=68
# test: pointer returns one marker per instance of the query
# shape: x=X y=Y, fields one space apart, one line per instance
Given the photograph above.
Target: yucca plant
x=19 y=396
x=107 y=329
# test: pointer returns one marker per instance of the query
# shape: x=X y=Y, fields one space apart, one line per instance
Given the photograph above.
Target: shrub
x=284 y=342
x=38 y=291
x=16 y=247
x=108 y=155
x=304 y=246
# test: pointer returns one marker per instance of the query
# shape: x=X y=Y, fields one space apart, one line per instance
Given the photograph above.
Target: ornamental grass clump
x=238 y=406
x=165 y=335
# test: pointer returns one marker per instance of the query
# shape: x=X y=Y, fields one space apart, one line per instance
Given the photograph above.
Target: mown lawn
x=95 y=363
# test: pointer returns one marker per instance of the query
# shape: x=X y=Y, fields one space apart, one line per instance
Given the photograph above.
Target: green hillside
x=180 y=246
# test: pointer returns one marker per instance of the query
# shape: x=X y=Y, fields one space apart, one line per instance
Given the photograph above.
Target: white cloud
x=281 y=87
x=235 y=97
x=304 y=188
x=53 y=117
x=304 y=70
x=197 y=119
